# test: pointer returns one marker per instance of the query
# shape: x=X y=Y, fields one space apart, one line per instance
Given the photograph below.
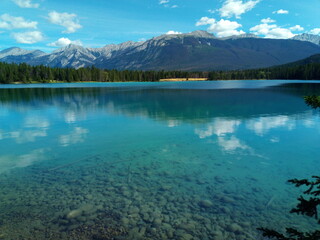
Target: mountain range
x=198 y=50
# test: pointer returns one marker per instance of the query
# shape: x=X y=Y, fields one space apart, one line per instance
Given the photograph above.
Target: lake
x=188 y=160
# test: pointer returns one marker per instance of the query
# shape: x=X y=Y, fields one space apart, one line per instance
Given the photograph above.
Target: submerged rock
x=74 y=213
x=227 y=199
x=234 y=227
x=205 y=203
x=157 y=222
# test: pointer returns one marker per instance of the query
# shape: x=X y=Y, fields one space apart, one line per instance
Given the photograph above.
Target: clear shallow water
x=195 y=160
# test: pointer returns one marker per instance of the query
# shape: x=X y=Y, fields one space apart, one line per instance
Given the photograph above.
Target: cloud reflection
x=231 y=144
x=309 y=123
x=219 y=127
x=263 y=125
x=25 y=136
x=36 y=122
x=32 y=128
x=78 y=135
x=9 y=162
x=70 y=117
x=224 y=129
x=173 y=123
x=30 y=158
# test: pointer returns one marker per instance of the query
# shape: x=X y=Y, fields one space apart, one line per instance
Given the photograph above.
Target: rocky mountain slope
x=308 y=38
x=197 y=50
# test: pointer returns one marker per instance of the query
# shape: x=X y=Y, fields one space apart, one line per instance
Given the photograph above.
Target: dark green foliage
x=312 y=101
x=312 y=185
x=307 y=207
x=309 y=71
x=292 y=234
x=10 y=73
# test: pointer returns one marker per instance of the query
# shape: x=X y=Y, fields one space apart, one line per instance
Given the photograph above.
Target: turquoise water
x=190 y=160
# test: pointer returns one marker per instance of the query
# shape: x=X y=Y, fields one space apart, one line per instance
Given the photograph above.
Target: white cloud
x=70 y=117
x=36 y=122
x=223 y=129
x=222 y=28
x=26 y=3
x=296 y=28
x=26 y=136
x=33 y=127
x=315 y=31
x=309 y=123
x=171 y=32
x=61 y=42
x=280 y=33
x=30 y=158
x=262 y=29
x=36 y=127
x=219 y=127
x=173 y=123
x=10 y=161
x=268 y=20
x=28 y=37
x=10 y=22
x=78 y=135
x=274 y=140
x=231 y=144
x=166 y=4
x=205 y=21
x=281 y=11
x=4 y=25
x=67 y=20
x=236 y=7
x=264 y=124
x=271 y=30
x=164 y=1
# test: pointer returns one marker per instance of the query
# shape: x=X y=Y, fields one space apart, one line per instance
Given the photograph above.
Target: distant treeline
x=10 y=73
x=302 y=72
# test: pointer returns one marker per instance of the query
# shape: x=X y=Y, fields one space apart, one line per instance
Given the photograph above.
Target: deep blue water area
x=188 y=160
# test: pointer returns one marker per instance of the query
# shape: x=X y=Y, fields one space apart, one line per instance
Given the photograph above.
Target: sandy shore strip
x=182 y=79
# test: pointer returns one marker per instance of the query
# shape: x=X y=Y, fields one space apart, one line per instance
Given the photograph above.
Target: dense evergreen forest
x=11 y=73
x=302 y=72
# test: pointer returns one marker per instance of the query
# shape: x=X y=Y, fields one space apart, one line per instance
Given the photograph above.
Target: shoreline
x=160 y=81
x=183 y=79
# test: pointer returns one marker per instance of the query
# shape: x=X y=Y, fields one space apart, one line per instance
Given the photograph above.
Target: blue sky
x=50 y=24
